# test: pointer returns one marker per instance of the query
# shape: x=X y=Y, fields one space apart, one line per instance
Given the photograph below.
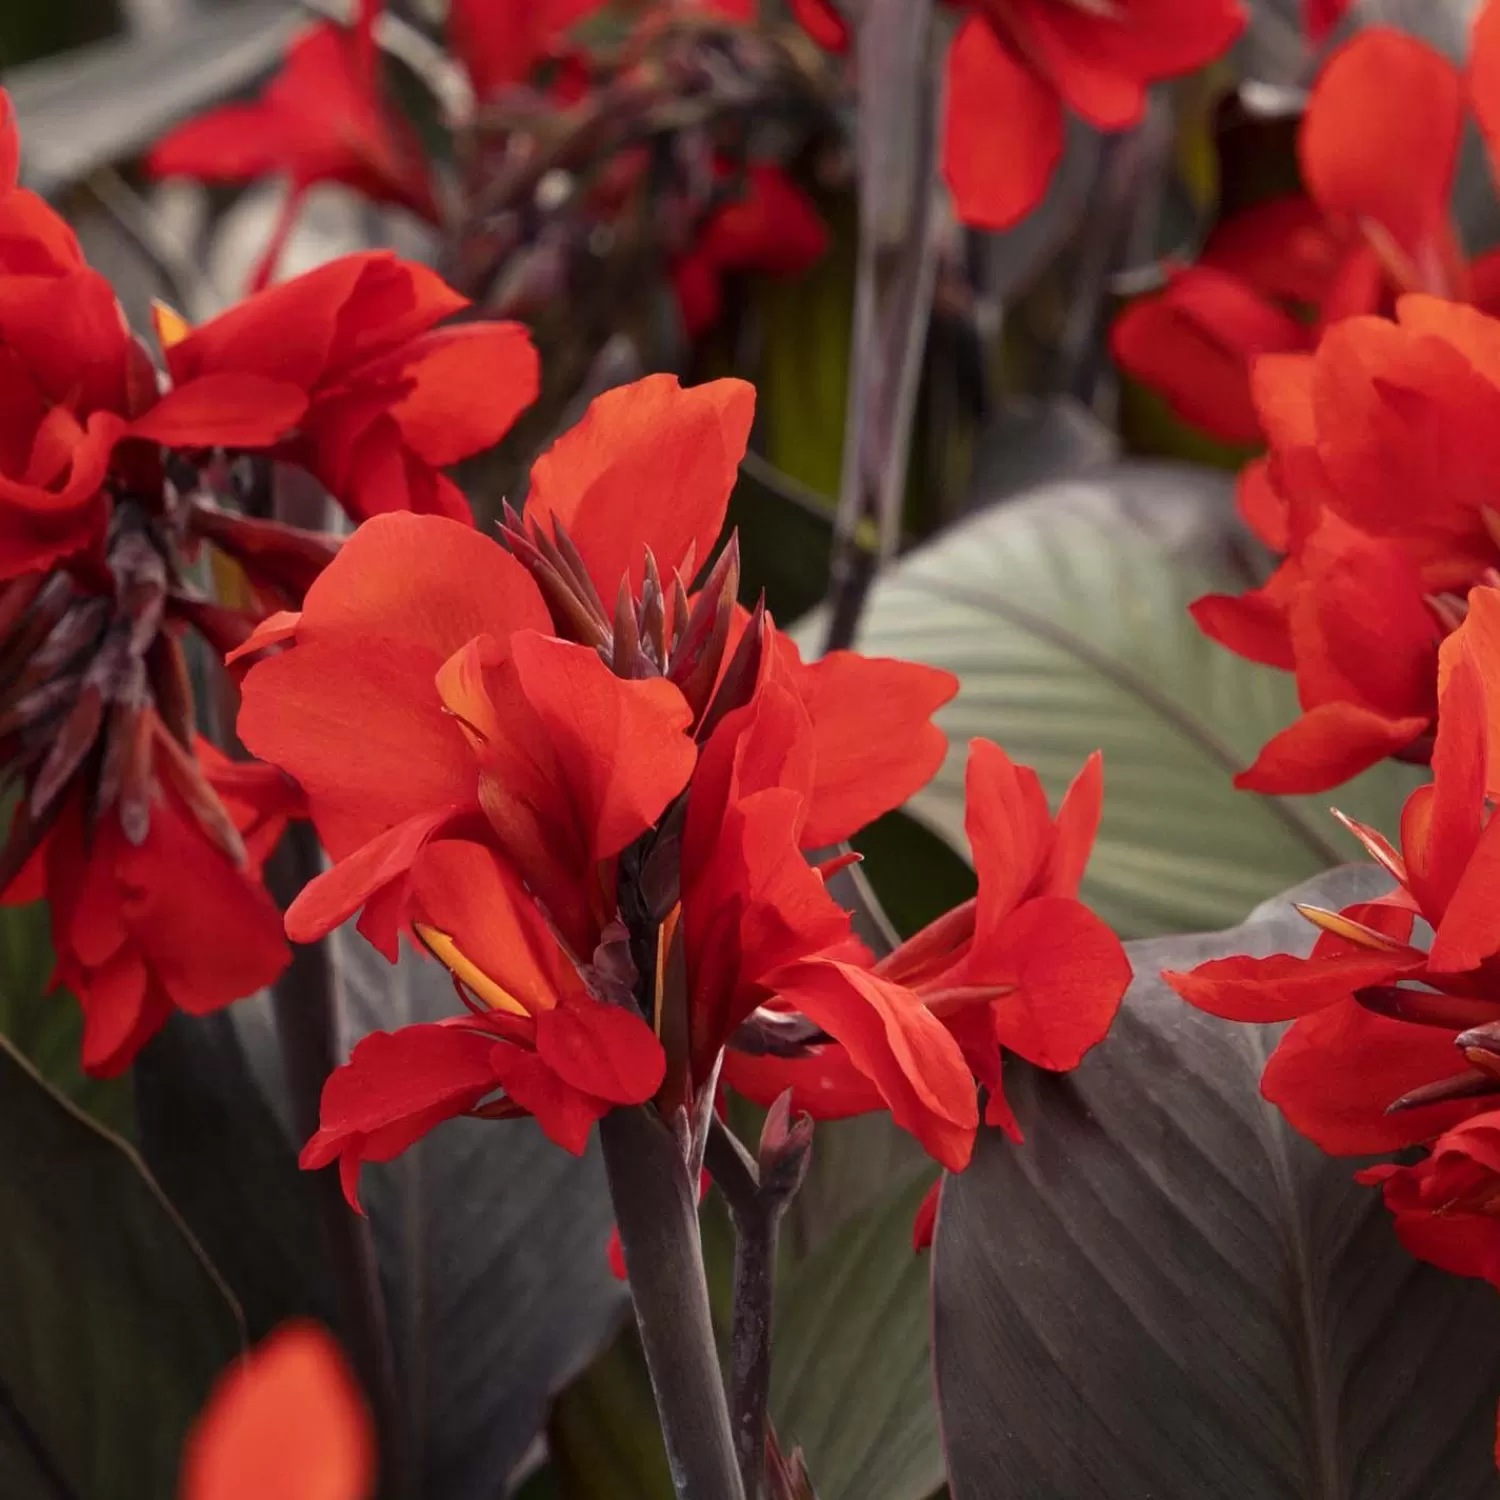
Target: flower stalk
x=656 y=1209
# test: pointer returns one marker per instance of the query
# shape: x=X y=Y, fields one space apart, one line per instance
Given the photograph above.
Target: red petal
x=10 y=145
x=1009 y=829
x=1362 y=158
x=395 y=1087
x=1280 y=987
x=822 y=21
x=228 y=411
x=896 y=1041
x=351 y=711
x=1002 y=131
x=565 y=1114
x=1074 y=832
x=288 y=1421
x=1336 y=1070
x=1254 y=626
x=1070 y=973
x=461 y=388
x=1469 y=932
x=924 y=1225
x=465 y=891
x=1327 y=746
x=601 y=1050
x=650 y=465
x=1483 y=78
x=876 y=744
x=621 y=746
x=826 y=1085
x=1194 y=343
x=1478 y=641
x=1286 y=248
x=331 y=898
x=1319 y=17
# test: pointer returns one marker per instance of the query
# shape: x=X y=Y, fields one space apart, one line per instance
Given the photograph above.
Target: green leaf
x=851 y=1377
x=223 y=1158
x=1167 y=1292
x=1064 y=615
x=47 y=1027
x=604 y=1437
x=113 y=1324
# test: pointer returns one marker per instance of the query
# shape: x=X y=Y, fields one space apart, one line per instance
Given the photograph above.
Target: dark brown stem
x=758 y=1197
x=656 y=1209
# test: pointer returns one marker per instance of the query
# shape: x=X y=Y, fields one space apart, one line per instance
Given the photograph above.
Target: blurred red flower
x=323 y=118
x=1015 y=64
x=388 y=398
x=286 y=1421
x=1375 y=223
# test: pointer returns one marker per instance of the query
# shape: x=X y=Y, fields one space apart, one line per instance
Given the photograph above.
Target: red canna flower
x=498 y=764
x=1015 y=64
x=388 y=397
x=287 y=1420
x=1370 y=1063
x=1375 y=224
x=770 y=227
x=1371 y=584
x=162 y=909
x=322 y=119
x=1024 y=967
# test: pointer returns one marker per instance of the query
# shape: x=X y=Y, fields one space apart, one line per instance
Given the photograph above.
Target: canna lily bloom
x=1374 y=224
x=769 y=227
x=1015 y=64
x=1371 y=584
x=498 y=765
x=288 y=1420
x=162 y=908
x=1370 y=1063
x=322 y=119
x=1024 y=967
x=388 y=398
x=82 y=410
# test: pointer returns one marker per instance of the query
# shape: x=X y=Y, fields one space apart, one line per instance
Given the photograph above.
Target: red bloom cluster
x=325 y=118
x=1374 y=223
x=596 y=816
x=1015 y=64
x=147 y=842
x=1380 y=413
x=1396 y=1042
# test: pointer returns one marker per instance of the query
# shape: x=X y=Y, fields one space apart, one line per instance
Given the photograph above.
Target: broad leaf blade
x=493 y=1253
x=1166 y=1291
x=113 y=1324
x=1064 y=615
x=223 y=1158
x=851 y=1379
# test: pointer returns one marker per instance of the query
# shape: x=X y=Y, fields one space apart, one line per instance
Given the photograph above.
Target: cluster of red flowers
x=1395 y=1039
x=596 y=817
x=114 y=475
x=1378 y=489
x=326 y=118
x=1373 y=223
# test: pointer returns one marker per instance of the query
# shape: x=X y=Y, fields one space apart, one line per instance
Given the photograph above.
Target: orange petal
x=287 y=1421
